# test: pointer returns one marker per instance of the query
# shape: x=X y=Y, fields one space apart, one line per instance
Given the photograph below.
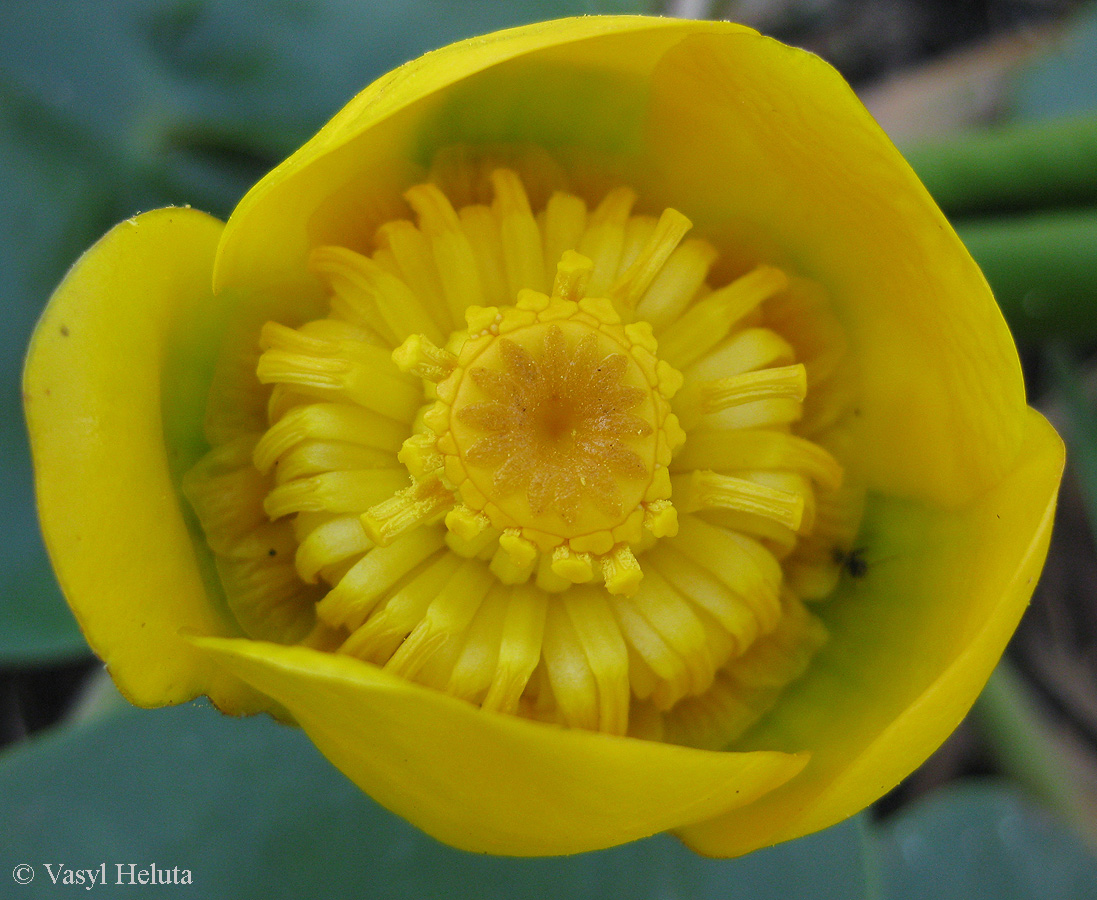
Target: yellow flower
x=553 y=526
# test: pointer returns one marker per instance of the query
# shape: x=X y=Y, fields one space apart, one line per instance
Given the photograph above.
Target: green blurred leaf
x=254 y=812
x=983 y=842
x=1062 y=82
x=117 y=106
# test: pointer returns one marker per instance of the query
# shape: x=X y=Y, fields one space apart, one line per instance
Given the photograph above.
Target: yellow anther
x=572 y=276
x=661 y=519
x=521 y=551
x=419 y=454
x=406 y=510
x=466 y=523
x=419 y=356
x=621 y=571
x=577 y=568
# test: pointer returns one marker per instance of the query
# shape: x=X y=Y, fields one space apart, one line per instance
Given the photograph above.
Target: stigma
x=548 y=439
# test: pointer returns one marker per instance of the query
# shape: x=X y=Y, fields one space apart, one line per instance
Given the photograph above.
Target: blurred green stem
x=1041 y=268
x=1033 y=165
x=1024 y=200
x=1024 y=750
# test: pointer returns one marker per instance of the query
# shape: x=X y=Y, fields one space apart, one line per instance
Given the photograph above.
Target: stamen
x=565 y=221
x=677 y=284
x=705 y=489
x=354 y=372
x=634 y=282
x=519 y=649
x=254 y=557
x=325 y=422
x=406 y=252
x=605 y=237
x=521 y=239
x=572 y=276
x=570 y=678
x=747 y=350
x=730 y=451
x=337 y=492
x=350 y=602
x=448 y=615
x=708 y=397
x=739 y=562
x=362 y=291
x=380 y=635
x=735 y=615
x=709 y=321
x=481 y=228
x=453 y=254
x=329 y=544
x=750 y=686
x=478 y=658
x=320 y=457
x=606 y=654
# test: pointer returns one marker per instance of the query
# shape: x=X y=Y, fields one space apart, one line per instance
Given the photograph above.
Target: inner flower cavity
x=533 y=459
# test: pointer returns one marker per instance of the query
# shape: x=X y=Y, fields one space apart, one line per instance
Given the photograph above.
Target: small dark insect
x=853 y=562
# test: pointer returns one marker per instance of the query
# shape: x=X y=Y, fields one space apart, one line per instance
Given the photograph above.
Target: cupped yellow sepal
x=694 y=422
x=341 y=184
x=489 y=782
x=810 y=180
x=985 y=560
x=115 y=376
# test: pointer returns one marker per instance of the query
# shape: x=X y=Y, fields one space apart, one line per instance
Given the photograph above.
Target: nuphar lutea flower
x=595 y=430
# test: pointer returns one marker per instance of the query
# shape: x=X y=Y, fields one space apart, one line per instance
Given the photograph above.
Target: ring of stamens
x=545 y=438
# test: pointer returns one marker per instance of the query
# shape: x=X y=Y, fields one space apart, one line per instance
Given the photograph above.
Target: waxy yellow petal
x=769 y=147
x=585 y=77
x=935 y=609
x=779 y=167
x=764 y=144
x=490 y=782
x=114 y=389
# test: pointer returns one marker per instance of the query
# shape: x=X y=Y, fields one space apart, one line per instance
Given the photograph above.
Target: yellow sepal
x=489 y=782
x=114 y=396
x=942 y=593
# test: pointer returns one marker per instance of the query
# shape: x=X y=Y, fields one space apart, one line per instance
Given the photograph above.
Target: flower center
x=534 y=460
x=551 y=434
